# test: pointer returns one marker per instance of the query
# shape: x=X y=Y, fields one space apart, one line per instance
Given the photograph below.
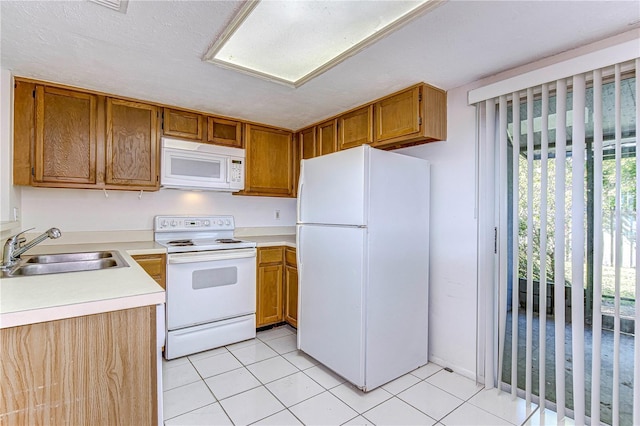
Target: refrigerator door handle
x=300 y=185
x=298 y=262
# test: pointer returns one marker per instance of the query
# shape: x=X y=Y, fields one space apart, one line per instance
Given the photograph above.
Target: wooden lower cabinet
x=291 y=287
x=91 y=370
x=155 y=265
x=269 y=286
x=277 y=287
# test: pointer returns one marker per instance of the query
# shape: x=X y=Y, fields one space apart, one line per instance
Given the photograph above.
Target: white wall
x=453 y=301
x=89 y=210
x=9 y=197
x=454 y=226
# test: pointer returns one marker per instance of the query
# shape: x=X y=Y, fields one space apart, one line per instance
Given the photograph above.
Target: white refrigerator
x=363 y=263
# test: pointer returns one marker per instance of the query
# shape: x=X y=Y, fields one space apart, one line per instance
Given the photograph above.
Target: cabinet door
x=398 y=115
x=291 y=296
x=224 y=132
x=182 y=124
x=327 y=138
x=65 y=148
x=91 y=370
x=132 y=145
x=307 y=139
x=269 y=169
x=355 y=128
x=269 y=295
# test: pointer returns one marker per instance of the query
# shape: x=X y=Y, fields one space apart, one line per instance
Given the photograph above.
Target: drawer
x=290 y=256
x=270 y=255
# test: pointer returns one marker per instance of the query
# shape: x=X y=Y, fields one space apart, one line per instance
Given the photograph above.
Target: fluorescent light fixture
x=117 y=5
x=293 y=41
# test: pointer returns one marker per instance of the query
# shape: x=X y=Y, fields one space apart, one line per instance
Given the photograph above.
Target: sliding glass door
x=567 y=277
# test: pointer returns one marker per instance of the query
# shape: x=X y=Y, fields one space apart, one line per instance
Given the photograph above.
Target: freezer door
x=332 y=188
x=330 y=297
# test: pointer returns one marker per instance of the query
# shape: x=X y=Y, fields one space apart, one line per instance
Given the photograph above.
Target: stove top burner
x=180 y=243
x=227 y=241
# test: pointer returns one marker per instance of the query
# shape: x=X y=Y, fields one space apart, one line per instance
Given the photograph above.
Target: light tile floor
x=266 y=381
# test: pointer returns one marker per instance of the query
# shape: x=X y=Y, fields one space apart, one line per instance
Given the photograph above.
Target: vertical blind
x=567 y=216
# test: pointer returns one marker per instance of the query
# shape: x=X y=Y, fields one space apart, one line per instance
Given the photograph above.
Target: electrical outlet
x=277 y=215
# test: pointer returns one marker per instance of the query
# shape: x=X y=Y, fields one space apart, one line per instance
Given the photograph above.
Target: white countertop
x=28 y=300
x=272 y=240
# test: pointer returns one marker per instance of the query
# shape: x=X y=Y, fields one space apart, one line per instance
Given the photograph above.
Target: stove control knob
x=220 y=222
x=207 y=223
x=165 y=223
x=228 y=222
x=174 y=223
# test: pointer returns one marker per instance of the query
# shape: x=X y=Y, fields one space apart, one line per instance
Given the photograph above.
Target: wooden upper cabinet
x=307 y=143
x=65 y=137
x=412 y=115
x=327 y=138
x=224 y=132
x=398 y=115
x=269 y=162
x=355 y=128
x=132 y=145
x=182 y=124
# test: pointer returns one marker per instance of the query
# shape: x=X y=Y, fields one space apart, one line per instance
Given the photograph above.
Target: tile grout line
x=329 y=390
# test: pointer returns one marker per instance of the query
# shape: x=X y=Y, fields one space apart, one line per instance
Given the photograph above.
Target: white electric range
x=211 y=283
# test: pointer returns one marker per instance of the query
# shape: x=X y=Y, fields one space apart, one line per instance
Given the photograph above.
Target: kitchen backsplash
x=74 y=210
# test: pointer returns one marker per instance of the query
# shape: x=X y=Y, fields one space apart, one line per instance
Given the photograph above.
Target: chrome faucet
x=13 y=247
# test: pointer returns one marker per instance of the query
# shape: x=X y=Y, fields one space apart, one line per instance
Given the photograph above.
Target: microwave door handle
x=228 y=170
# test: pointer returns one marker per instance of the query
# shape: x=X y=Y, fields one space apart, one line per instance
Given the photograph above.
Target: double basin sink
x=45 y=264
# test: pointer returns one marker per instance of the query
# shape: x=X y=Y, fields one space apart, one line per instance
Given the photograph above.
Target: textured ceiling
x=154 y=52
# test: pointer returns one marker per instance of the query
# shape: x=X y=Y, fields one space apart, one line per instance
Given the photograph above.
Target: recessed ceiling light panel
x=292 y=41
x=117 y=5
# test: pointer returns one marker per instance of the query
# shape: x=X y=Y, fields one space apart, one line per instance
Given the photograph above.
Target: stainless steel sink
x=69 y=257
x=65 y=262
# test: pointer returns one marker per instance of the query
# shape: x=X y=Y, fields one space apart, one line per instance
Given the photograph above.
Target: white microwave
x=192 y=165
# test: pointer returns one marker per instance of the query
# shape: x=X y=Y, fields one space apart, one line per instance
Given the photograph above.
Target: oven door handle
x=211 y=256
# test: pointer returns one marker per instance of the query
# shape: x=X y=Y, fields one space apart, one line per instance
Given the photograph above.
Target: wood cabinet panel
x=132 y=144
x=307 y=143
x=290 y=256
x=415 y=115
x=183 y=124
x=24 y=112
x=155 y=265
x=270 y=255
x=434 y=108
x=224 y=132
x=327 y=137
x=355 y=128
x=269 y=295
x=291 y=295
x=65 y=142
x=96 y=369
x=291 y=287
x=398 y=115
x=269 y=162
